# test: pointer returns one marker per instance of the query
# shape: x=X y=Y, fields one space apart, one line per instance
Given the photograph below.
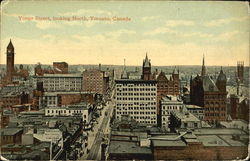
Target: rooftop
x=60 y=75
x=119 y=147
x=185 y=116
x=10 y=131
x=193 y=107
x=134 y=81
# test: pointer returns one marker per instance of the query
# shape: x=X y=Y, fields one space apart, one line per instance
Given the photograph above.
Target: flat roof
x=218 y=131
x=59 y=75
x=118 y=147
x=185 y=117
x=212 y=140
x=168 y=143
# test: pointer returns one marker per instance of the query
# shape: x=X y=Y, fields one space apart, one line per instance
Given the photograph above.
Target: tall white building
x=61 y=82
x=168 y=104
x=137 y=98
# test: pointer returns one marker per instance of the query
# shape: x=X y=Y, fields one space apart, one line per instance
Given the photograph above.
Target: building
x=196 y=111
x=146 y=69
x=84 y=110
x=212 y=96
x=10 y=62
x=11 y=99
x=201 y=144
x=239 y=107
x=166 y=86
x=61 y=67
x=183 y=119
x=95 y=81
x=53 y=99
x=11 y=135
x=60 y=82
x=136 y=98
x=240 y=72
x=167 y=105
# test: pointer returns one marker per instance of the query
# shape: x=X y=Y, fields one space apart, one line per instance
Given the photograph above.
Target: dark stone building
x=212 y=96
x=10 y=62
x=146 y=69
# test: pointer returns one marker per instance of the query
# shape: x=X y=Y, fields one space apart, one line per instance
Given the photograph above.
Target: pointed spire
x=10 y=45
x=203 y=70
x=146 y=62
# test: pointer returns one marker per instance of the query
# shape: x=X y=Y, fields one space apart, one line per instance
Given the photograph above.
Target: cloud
x=227 y=36
x=160 y=30
x=197 y=34
x=219 y=22
x=174 y=23
x=118 y=33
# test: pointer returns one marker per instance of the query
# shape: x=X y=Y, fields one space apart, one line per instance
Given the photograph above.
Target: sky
x=171 y=33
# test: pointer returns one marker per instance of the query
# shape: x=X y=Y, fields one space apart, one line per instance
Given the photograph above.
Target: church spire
x=203 y=70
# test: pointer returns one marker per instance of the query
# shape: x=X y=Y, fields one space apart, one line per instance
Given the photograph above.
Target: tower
x=203 y=69
x=240 y=71
x=10 y=61
x=221 y=81
x=146 y=69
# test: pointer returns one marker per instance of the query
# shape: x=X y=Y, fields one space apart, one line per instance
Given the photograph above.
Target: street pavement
x=95 y=137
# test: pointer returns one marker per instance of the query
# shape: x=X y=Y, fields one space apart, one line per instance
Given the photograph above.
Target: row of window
x=171 y=107
x=137 y=108
x=136 y=89
x=136 y=103
x=136 y=94
x=136 y=113
x=136 y=98
x=133 y=85
x=215 y=114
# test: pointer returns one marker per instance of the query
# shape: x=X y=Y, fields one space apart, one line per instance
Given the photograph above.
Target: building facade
x=61 y=67
x=94 y=81
x=167 y=105
x=209 y=95
x=60 y=82
x=136 y=98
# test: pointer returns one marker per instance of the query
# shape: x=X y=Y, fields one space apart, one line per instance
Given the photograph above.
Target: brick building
x=201 y=144
x=14 y=99
x=95 y=81
x=11 y=135
x=205 y=93
x=166 y=87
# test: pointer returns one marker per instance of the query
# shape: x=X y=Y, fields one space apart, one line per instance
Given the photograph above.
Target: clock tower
x=10 y=61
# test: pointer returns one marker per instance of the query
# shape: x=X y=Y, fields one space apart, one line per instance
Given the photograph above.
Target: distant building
x=10 y=61
x=205 y=93
x=136 y=98
x=167 y=105
x=95 y=81
x=240 y=72
x=146 y=69
x=60 y=82
x=12 y=99
x=239 y=109
x=61 y=67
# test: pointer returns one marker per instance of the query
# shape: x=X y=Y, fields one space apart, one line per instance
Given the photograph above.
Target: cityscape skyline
x=171 y=33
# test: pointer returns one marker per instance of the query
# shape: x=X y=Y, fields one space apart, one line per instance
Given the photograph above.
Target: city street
x=96 y=136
